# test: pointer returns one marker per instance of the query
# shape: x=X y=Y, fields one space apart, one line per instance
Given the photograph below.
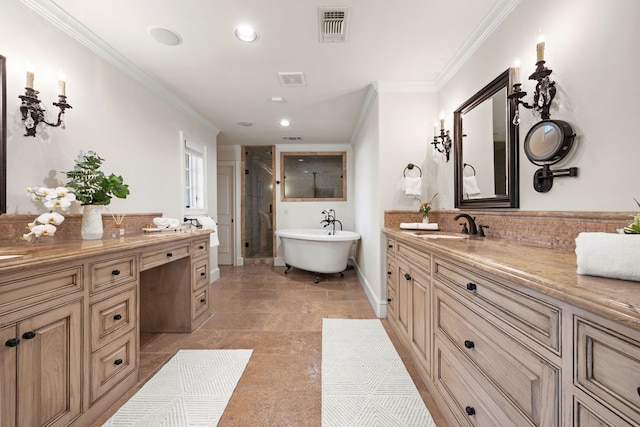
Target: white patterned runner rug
x=191 y=389
x=364 y=382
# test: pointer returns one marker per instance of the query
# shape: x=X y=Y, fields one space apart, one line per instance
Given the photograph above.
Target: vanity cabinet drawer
x=392 y=244
x=417 y=258
x=163 y=256
x=200 y=248
x=591 y=414
x=530 y=381
x=535 y=318
x=112 y=317
x=608 y=366
x=200 y=274
x=200 y=303
x=16 y=290
x=109 y=273
x=112 y=364
x=472 y=399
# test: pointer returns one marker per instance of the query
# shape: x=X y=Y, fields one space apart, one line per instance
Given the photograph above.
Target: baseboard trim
x=379 y=307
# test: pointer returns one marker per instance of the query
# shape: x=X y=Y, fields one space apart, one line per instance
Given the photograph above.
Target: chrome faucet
x=473 y=230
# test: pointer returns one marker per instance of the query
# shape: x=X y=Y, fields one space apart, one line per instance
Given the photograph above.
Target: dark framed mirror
x=3 y=135
x=486 y=148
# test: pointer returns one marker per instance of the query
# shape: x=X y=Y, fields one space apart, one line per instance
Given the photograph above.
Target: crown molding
x=500 y=11
x=58 y=17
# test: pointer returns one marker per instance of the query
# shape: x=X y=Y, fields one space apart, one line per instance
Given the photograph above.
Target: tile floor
x=280 y=317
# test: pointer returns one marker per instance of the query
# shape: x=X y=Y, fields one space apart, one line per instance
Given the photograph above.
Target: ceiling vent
x=332 y=25
x=292 y=138
x=292 y=79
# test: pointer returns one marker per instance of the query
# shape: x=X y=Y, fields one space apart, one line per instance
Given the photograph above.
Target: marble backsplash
x=556 y=229
x=12 y=227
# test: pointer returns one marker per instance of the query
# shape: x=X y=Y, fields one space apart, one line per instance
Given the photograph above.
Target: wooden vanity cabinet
x=493 y=352
x=41 y=352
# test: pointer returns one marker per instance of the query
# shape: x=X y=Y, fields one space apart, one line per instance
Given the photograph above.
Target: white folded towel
x=419 y=226
x=609 y=255
x=166 y=223
x=413 y=185
x=470 y=185
x=208 y=223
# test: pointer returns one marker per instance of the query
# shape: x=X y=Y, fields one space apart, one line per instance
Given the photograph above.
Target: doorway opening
x=257 y=204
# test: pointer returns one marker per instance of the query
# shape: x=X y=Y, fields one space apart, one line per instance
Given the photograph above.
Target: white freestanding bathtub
x=316 y=250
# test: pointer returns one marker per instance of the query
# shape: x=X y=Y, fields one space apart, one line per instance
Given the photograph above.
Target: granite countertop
x=37 y=254
x=550 y=271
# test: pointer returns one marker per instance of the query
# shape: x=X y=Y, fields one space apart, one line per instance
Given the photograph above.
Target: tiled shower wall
x=541 y=228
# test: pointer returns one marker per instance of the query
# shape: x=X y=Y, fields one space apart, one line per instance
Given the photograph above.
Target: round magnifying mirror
x=548 y=141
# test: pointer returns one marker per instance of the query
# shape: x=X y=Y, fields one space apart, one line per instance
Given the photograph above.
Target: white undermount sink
x=432 y=235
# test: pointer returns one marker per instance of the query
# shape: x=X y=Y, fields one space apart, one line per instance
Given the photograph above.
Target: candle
x=441 y=121
x=62 y=84
x=435 y=129
x=540 y=47
x=30 y=76
x=516 y=70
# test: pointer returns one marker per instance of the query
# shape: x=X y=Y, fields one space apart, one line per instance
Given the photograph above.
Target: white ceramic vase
x=91 y=222
x=425 y=219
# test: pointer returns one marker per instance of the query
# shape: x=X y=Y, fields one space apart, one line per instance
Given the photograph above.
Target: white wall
x=590 y=46
x=136 y=131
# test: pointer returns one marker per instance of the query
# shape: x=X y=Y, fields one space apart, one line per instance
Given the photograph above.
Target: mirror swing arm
x=540 y=146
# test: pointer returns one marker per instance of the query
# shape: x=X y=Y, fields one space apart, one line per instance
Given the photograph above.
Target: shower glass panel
x=258 y=202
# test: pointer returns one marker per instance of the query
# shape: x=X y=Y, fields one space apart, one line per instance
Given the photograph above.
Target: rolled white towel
x=166 y=223
x=609 y=255
x=413 y=186
x=428 y=226
x=409 y=225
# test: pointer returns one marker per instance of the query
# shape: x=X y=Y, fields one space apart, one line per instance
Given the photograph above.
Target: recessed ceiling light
x=277 y=99
x=164 y=36
x=245 y=124
x=246 y=33
x=284 y=122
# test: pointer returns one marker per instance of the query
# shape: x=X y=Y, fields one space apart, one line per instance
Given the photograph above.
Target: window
x=194 y=178
x=317 y=176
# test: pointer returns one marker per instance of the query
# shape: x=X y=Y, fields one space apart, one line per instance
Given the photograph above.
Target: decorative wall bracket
x=442 y=143
x=542 y=97
x=33 y=114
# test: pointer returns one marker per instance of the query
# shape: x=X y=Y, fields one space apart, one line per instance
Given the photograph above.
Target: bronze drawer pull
x=203 y=300
x=469 y=344
x=471 y=286
x=116 y=272
x=13 y=342
x=117 y=362
x=203 y=274
x=201 y=247
x=117 y=317
x=388 y=273
x=406 y=276
x=470 y=410
x=169 y=254
x=390 y=246
x=389 y=300
x=29 y=335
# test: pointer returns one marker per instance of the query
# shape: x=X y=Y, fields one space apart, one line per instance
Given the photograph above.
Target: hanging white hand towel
x=413 y=186
x=470 y=185
x=208 y=223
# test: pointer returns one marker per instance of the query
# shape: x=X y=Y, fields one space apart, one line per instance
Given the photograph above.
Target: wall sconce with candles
x=32 y=112
x=442 y=142
x=545 y=88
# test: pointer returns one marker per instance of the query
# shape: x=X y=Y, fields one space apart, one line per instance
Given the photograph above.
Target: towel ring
x=464 y=165
x=410 y=166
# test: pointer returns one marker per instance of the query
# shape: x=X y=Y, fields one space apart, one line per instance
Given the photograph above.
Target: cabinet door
x=420 y=319
x=48 y=366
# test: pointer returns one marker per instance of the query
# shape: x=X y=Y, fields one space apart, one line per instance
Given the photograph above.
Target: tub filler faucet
x=330 y=219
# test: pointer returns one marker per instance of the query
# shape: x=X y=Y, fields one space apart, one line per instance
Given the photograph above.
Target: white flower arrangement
x=52 y=198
